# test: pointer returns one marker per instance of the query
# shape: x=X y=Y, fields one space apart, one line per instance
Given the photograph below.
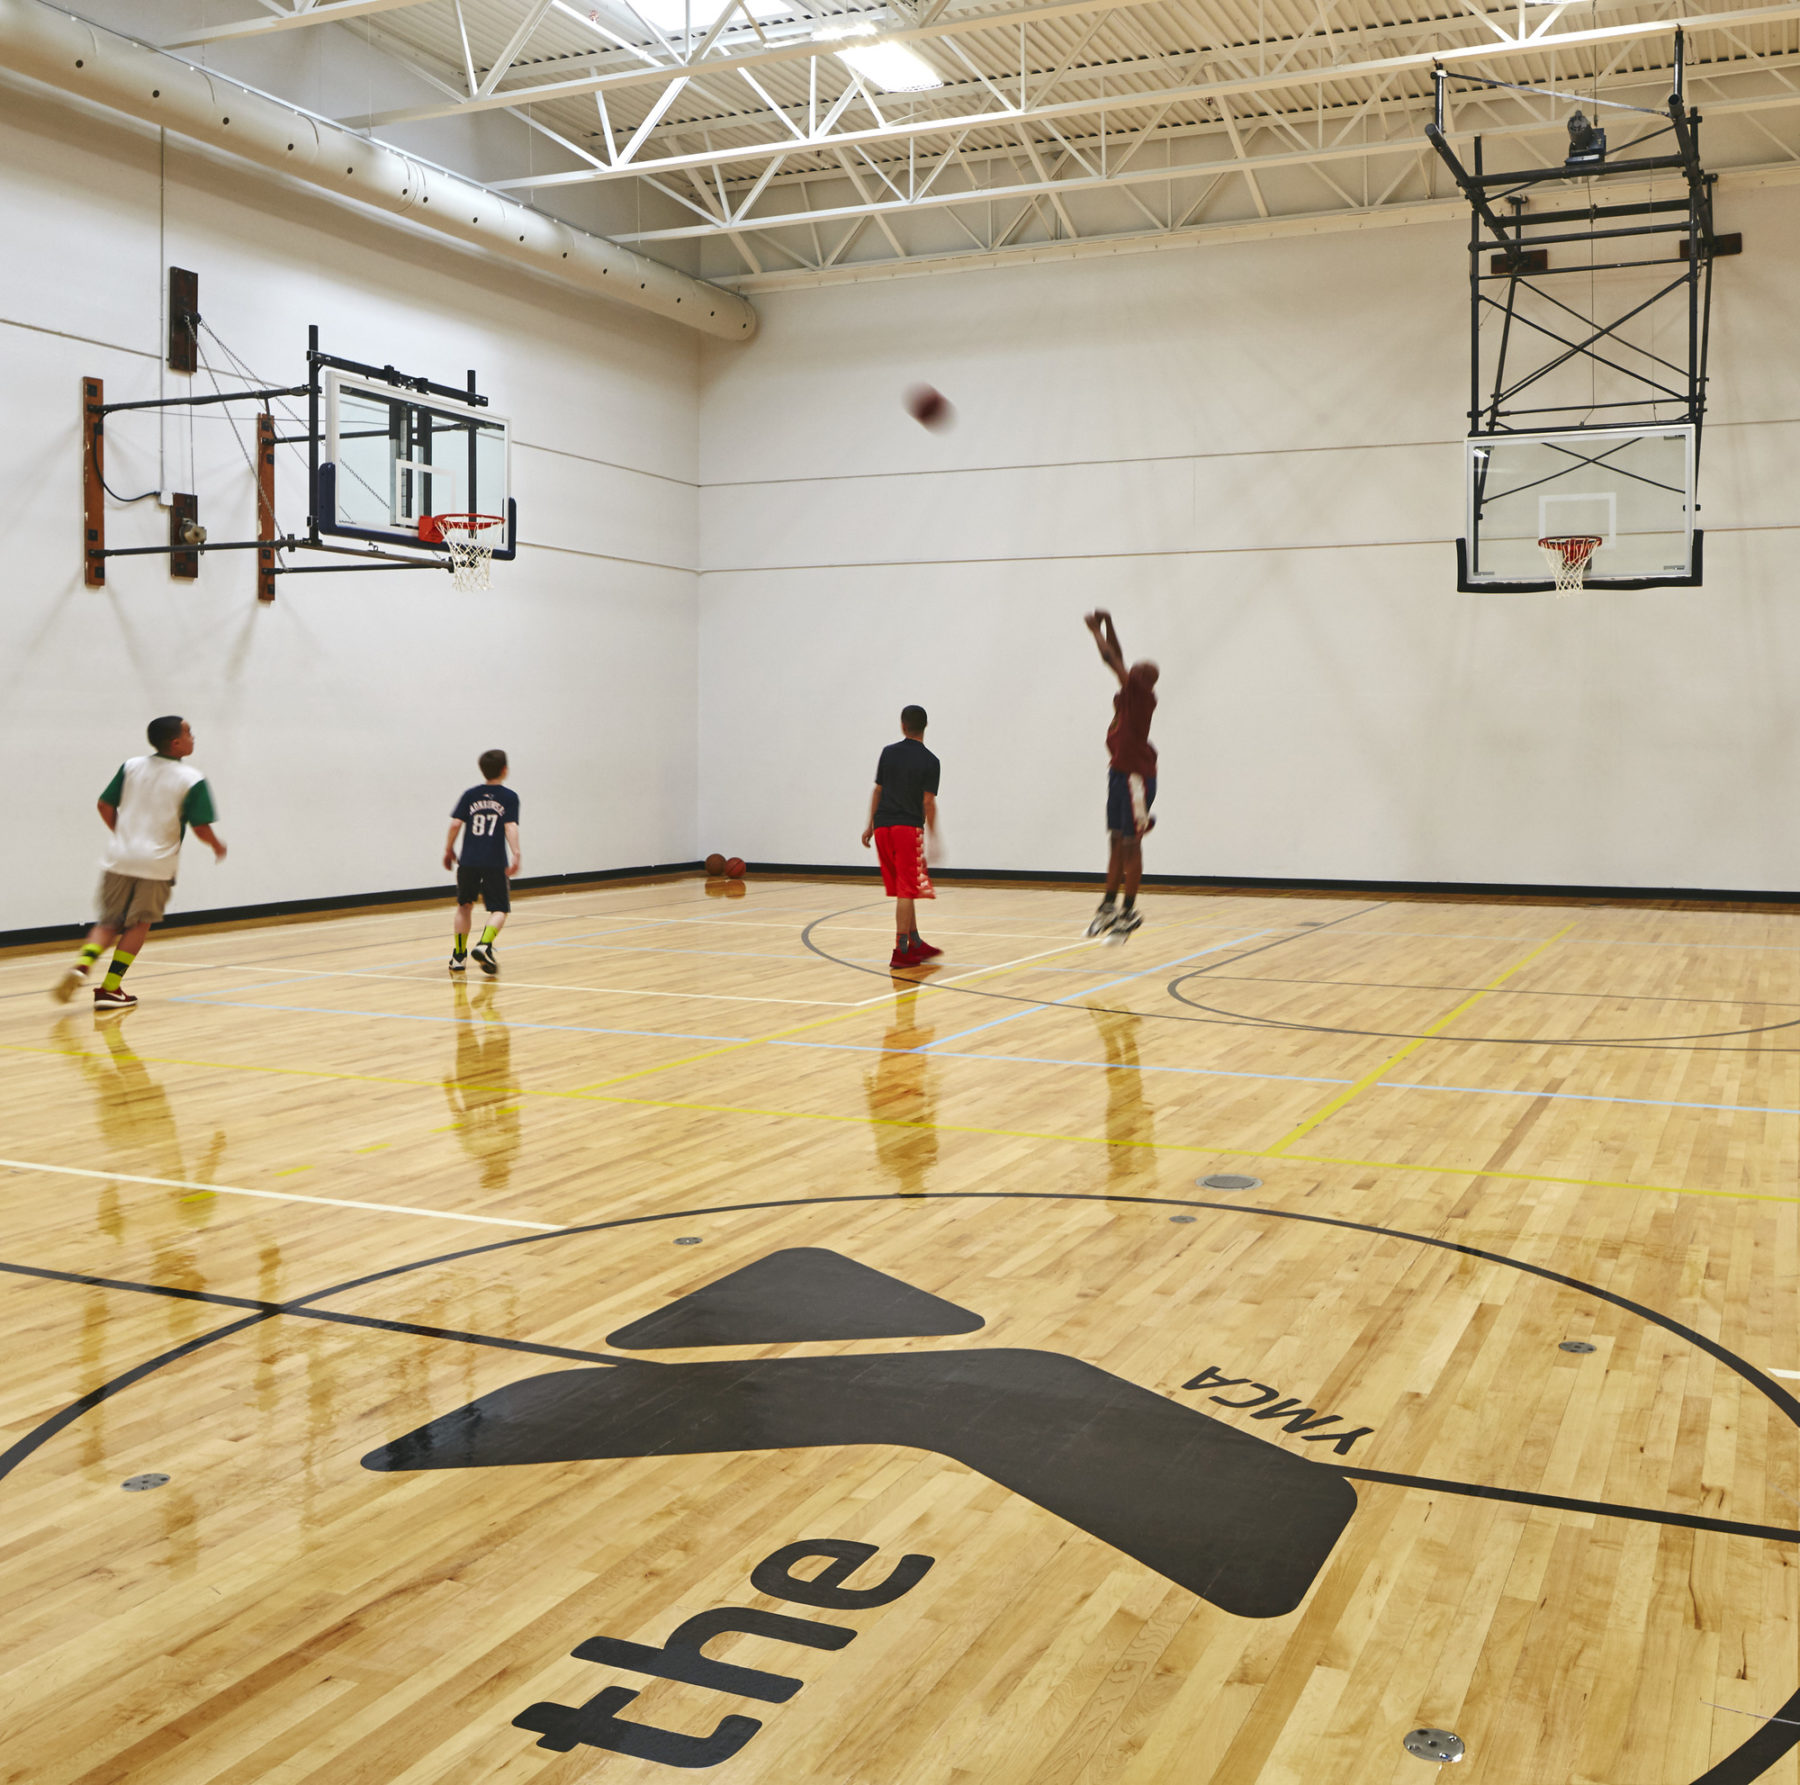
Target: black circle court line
x=1514 y=991
x=972 y=991
x=1239 y=1019
x=1747 y=1762
x=1216 y=1018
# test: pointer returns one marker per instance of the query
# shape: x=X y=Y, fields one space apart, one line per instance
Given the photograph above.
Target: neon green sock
x=460 y=946
x=90 y=953
x=488 y=935
x=120 y=961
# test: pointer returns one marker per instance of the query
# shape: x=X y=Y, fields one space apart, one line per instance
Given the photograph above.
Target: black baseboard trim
x=406 y=895
x=1388 y=889
x=1700 y=897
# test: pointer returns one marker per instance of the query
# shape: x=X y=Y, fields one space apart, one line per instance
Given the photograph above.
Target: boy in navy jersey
x=489 y=817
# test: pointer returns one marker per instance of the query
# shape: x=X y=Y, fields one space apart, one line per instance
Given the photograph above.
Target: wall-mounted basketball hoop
x=402 y=474
x=1584 y=409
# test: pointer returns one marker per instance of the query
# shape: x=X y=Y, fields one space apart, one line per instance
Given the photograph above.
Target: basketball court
x=1506 y=1285
x=561 y=1304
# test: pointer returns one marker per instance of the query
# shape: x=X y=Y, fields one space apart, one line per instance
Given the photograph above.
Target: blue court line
x=725 y=954
x=1000 y=1059
x=1143 y=972
x=844 y=1047
x=397 y=1016
x=1747 y=1109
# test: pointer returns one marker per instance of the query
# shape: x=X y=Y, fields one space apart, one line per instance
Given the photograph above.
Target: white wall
x=1252 y=455
x=337 y=725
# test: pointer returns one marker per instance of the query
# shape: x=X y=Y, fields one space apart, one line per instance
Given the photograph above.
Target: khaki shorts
x=125 y=901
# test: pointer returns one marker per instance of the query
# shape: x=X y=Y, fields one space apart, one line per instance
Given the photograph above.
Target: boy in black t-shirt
x=490 y=815
x=902 y=809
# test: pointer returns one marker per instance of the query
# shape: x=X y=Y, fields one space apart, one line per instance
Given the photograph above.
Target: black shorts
x=489 y=883
x=1120 y=819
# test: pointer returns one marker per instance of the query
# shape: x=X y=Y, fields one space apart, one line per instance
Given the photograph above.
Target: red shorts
x=904 y=875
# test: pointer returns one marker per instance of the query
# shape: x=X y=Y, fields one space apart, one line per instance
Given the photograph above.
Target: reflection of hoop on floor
x=1569 y=555
x=471 y=556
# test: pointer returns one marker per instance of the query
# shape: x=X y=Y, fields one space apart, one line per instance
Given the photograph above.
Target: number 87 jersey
x=485 y=812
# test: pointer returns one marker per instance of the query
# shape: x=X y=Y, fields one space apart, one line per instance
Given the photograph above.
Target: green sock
x=120 y=961
x=460 y=946
x=488 y=935
x=89 y=955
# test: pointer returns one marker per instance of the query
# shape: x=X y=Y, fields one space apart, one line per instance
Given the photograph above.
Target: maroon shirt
x=1128 y=743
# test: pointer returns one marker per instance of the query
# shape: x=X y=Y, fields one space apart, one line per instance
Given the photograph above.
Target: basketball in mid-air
x=715 y=864
x=929 y=408
x=734 y=869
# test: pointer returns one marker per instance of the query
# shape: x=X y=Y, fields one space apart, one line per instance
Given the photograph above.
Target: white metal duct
x=99 y=65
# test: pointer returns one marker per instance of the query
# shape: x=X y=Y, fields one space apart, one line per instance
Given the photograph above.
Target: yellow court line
x=732 y=1047
x=1530 y=1177
x=1169 y=1146
x=911 y=990
x=814 y=1115
x=1418 y=1041
x=579 y=1096
x=505 y=984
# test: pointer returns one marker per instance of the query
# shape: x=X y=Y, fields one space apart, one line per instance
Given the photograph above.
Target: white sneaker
x=1124 y=925
x=1103 y=919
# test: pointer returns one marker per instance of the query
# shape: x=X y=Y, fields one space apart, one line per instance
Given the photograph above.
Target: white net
x=1569 y=556
x=471 y=554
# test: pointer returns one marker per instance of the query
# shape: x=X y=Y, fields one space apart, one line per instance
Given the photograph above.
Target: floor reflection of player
x=137 y=1123
x=1128 y=1117
x=482 y=1094
x=901 y=1087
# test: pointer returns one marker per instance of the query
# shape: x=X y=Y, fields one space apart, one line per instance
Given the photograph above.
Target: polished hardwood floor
x=407 y=1284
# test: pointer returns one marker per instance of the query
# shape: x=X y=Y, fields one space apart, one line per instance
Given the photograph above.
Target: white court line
x=1790 y=1375
x=330 y=1202
x=529 y=985
x=998 y=967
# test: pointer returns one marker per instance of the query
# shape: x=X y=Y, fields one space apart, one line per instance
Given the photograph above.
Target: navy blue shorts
x=1120 y=819
x=489 y=884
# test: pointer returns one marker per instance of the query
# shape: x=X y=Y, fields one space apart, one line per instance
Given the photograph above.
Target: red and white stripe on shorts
x=901 y=851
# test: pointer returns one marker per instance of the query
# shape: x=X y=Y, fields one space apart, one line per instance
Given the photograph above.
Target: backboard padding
x=1632 y=488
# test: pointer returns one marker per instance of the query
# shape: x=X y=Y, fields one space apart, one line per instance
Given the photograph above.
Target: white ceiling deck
x=1067 y=127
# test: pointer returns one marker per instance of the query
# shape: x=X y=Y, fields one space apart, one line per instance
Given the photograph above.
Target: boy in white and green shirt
x=148 y=806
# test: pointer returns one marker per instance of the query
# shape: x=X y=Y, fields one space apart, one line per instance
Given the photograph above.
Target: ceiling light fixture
x=893 y=67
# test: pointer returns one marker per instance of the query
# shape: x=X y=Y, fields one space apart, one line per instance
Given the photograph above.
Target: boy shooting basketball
x=148 y=806
x=902 y=810
x=490 y=814
x=1130 y=781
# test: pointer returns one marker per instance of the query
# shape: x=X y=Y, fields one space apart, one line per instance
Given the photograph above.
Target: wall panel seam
x=1195 y=551
x=1168 y=458
x=575 y=551
x=564 y=452
x=38 y=328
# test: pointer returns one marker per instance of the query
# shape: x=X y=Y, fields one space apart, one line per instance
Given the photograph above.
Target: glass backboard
x=1631 y=488
x=392 y=456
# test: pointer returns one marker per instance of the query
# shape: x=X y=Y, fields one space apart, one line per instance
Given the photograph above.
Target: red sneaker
x=902 y=957
x=117 y=998
x=922 y=950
